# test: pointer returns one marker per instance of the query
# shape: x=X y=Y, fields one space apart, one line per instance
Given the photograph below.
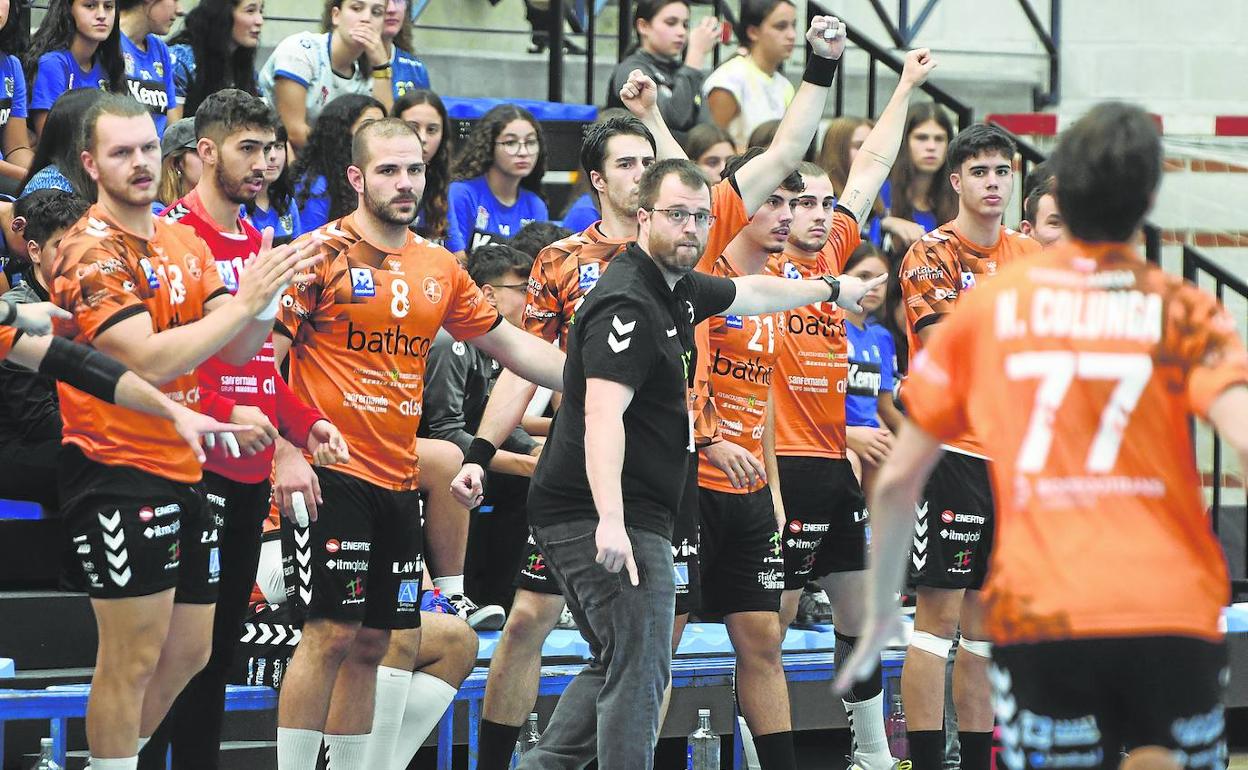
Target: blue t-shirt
x=476 y=216
x=925 y=218
x=581 y=214
x=183 y=70
x=315 y=212
x=407 y=73
x=47 y=178
x=57 y=73
x=149 y=77
x=285 y=226
x=13 y=99
x=872 y=368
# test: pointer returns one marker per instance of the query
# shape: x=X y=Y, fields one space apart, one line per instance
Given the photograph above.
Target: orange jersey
x=943 y=266
x=362 y=327
x=742 y=358
x=105 y=274
x=1080 y=370
x=8 y=338
x=813 y=364
x=562 y=274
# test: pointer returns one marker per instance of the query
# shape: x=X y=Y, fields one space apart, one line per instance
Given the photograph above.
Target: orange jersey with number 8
x=1079 y=370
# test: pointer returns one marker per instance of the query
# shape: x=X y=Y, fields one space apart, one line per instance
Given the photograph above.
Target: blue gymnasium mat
x=462 y=108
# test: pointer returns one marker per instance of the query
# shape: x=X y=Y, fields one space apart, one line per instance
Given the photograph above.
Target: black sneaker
x=488 y=618
x=813 y=606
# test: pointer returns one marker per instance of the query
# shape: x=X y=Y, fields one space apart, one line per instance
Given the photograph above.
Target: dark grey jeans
x=611 y=708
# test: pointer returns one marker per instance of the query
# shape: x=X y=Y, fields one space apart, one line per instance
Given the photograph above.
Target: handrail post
x=1055 y=57
x=624 y=35
x=554 y=73
x=591 y=26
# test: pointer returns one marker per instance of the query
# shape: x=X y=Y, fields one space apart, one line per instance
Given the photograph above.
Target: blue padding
x=705 y=639
x=20 y=509
x=470 y=109
x=1236 y=619
x=565 y=643
x=7 y=668
x=486 y=642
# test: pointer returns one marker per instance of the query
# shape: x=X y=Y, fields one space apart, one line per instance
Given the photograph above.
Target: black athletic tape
x=84 y=368
x=820 y=71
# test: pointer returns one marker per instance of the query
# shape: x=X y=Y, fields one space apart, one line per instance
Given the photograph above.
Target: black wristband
x=84 y=368
x=480 y=452
x=834 y=284
x=10 y=313
x=381 y=67
x=820 y=71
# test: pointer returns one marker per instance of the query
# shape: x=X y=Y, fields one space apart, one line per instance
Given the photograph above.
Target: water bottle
x=895 y=729
x=703 y=745
x=529 y=737
x=46 y=762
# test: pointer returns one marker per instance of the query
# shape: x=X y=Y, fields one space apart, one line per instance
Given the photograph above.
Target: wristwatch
x=834 y=285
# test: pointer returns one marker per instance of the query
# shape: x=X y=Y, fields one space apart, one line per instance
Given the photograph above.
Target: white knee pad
x=931 y=643
x=980 y=648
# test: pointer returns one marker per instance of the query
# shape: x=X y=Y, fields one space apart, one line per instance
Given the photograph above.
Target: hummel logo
x=620 y=344
x=671 y=332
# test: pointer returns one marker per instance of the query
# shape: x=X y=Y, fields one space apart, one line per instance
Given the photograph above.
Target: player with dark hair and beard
x=235 y=131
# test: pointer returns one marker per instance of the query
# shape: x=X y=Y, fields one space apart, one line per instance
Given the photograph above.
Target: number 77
x=1056 y=370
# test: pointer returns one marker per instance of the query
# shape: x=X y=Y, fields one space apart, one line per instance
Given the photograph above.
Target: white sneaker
x=566 y=621
x=488 y=618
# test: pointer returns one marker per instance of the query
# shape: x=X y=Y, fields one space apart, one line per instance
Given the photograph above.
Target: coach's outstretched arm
x=768 y=294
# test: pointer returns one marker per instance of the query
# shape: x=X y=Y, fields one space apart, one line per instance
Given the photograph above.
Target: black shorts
x=742 y=559
x=534 y=574
x=953 y=525
x=827 y=519
x=137 y=534
x=685 y=540
x=1077 y=703
x=365 y=551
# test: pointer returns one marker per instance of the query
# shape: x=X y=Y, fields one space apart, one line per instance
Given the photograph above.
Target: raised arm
x=766 y=293
x=761 y=176
x=640 y=95
x=878 y=153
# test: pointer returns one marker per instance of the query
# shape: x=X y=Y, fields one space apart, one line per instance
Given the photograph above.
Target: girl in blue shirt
x=918 y=196
x=274 y=206
x=322 y=191
x=871 y=417
x=424 y=111
x=408 y=73
x=14 y=141
x=77 y=45
x=498 y=187
x=57 y=163
x=205 y=61
x=149 y=67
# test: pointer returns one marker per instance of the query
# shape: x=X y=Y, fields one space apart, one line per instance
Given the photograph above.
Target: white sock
x=298 y=749
x=124 y=763
x=451 y=585
x=392 y=685
x=870 y=742
x=427 y=700
x=346 y=752
x=142 y=742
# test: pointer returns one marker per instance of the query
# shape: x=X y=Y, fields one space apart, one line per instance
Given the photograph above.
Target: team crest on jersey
x=968 y=280
x=192 y=266
x=228 y=279
x=734 y=322
x=8 y=87
x=287 y=222
x=791 y=271
x=129 y=62
x=483 y=218
x=432 y=290
x=159 y=66
x=153 y=282
x=362 y=282
x=588 y=276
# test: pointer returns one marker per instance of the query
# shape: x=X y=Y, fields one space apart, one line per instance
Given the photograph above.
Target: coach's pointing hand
x=615 y=550
x=854 y=289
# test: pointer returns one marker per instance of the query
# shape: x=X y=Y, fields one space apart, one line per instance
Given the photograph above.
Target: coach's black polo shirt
x=633 y=330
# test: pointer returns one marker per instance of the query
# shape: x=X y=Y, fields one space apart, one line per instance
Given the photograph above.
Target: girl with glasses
x=498 y=180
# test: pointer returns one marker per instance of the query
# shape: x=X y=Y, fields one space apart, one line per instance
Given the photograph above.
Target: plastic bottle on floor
x=703 y=745
x=46 y=762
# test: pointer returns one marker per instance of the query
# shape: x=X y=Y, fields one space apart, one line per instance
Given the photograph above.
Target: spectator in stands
x=408 y=73
x=662 y=28
x=56 y=163
x=1041 y=219
x=308 y=70
x=748 y=90
x=871 y=417
x=274 y=206
x=15 y=147
x=918 y=195
x=149 y=66
x=710 y=147
x=77 y=45
x=840 y=146
x=498 y=179
x=762 y=134
x=320 y=173
x=30 y=417
x=206 y=61
x=423 y=110
x=180 y=166
x=536 y=236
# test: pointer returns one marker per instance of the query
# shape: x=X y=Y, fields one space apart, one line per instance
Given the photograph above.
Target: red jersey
x=361 y=331
x=256 y=384
x=105 y=274
x=943 y=266
x=813 y=363
x=1080 y=370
